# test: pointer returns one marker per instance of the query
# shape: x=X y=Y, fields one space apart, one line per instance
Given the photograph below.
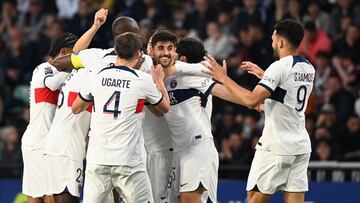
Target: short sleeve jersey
x=68 y=131
x=119 y=94
x=42 y=107
x=156 y=130
x=188 y=119
x=290 y=82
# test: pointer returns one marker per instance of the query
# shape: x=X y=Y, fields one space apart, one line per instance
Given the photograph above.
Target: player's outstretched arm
x=85 y=40
x=252 y=68
x=158 y=76
x=68 y=62
x=63 y=63
x=195 y=69
x=230 y=90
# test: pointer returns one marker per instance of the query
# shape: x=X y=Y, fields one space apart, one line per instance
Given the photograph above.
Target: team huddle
x=142 y=122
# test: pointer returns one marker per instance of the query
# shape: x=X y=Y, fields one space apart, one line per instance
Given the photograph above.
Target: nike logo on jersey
x=162 y=198
x=181 y=185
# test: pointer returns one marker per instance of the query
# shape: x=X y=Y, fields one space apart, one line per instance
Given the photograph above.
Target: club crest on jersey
x=173 y=84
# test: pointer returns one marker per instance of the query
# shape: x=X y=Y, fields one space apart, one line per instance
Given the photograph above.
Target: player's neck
x=169 y=71
x=286 y=52
x=128 y=63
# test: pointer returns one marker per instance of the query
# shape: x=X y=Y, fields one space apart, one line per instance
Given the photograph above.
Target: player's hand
x=157 y=73
x=100 y=17
x=252 y=68
x=214 y=69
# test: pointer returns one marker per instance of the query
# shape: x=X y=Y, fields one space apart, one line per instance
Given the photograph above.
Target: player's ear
x=62 y=51
x=281 y=43
x=183 y=59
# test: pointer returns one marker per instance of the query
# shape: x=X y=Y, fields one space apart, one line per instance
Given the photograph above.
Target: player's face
x=164 y=53
x=275 y=42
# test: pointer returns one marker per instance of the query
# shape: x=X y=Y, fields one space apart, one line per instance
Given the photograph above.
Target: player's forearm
x=79 y=105
x=191 y=69
x=85 y=39
x=155 y=111
x=161 y=87
x=63 y=63
x=239 y=94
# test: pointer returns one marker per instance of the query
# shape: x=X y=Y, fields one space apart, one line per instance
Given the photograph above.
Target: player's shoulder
x=45 y=68
x=287 y=63
x=141 y=74
x=44 y=65
x=305 y=64
x=148 y=59
x=147 y=64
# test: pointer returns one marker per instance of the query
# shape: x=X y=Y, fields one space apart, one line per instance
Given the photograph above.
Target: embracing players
x=119 y=92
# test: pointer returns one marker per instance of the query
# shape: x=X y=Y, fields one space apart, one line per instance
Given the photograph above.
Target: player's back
x=284 y=132
x=42 y=107
x=119 y=95
x=68 y=131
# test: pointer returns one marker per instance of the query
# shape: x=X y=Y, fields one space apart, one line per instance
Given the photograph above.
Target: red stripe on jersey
x=71 y=98
x=140 y=106
x=90 y=107
x=44 y=94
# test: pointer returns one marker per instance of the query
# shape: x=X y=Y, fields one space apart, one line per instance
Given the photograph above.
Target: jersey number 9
x=301 y=97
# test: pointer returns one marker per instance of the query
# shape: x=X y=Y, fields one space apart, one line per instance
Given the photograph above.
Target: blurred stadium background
x=235 y=30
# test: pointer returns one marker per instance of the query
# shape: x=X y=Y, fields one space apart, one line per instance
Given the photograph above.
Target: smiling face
x=164 y=53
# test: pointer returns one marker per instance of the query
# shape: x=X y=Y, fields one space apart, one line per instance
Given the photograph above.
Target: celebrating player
x=119 y=93
x=65 y=142
x=283 y=151
x=195 y=159
x=44 y=90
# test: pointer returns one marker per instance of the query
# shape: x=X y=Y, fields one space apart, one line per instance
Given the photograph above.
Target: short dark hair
x=163 y=36
x=127 y=44
x=291 y=30
x=65 y=40
x=124 y=24
x=192 y=49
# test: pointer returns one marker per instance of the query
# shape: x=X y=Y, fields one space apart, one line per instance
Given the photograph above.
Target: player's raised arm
x=230 y=90
x=86 y=38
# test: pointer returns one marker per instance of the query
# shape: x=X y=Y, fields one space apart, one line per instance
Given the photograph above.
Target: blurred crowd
x=235 y=30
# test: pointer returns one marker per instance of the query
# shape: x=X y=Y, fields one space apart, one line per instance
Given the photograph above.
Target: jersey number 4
x=114 y=102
